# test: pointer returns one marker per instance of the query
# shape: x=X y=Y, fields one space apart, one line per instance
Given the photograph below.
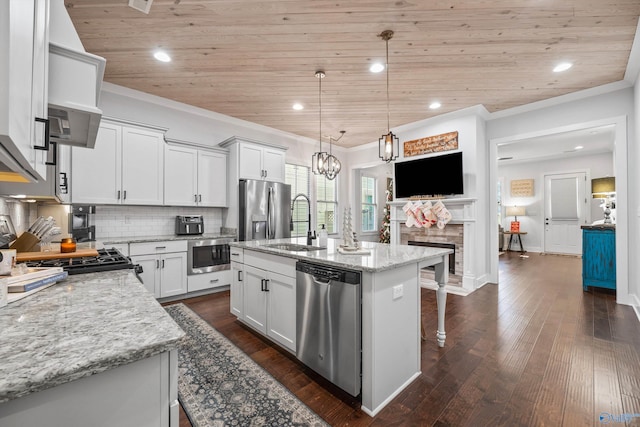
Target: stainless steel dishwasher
x=328 y=333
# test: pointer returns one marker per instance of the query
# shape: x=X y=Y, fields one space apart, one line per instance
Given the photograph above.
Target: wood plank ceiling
x=253 y=59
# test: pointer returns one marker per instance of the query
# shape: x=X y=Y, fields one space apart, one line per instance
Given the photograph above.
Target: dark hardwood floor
x=533 y=351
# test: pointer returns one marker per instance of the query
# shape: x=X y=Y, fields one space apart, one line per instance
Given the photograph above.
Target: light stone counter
x=169 y=237
x=84 y=325
x=382 y=256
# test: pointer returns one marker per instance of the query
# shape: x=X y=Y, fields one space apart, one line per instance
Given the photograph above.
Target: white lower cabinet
x=164 y=266
x=237 y=280
x=200 y=282
x=263 y=295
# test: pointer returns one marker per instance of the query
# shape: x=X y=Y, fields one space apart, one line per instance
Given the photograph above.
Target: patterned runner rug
x=219 y=385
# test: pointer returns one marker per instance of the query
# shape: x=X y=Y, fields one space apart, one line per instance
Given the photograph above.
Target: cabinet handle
x=239 y=275
x=262 y=285
x=64 y=184
x=160 y=247
x=157 y=263
x=118 y=197
x=195 y=197
x=162 y=263
x=266 y=285
x=124 y=193
x=214 y=280
x=45 y=146
x=199 y=197
x=265 y=173
x=55 y=154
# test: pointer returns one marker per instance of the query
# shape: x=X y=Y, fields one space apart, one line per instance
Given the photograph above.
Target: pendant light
x=388 y=144
x=319 y=158
x=333 y=165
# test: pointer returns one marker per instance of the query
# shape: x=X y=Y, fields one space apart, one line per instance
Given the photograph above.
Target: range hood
x=75 y=80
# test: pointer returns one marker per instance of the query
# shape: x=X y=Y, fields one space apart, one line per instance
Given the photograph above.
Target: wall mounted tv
x=430 y=176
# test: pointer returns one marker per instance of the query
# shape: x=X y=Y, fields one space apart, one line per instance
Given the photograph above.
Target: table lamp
x=514 y=211
x=604 y=188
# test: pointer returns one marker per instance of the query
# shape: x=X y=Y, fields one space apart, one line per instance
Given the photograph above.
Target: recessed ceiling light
x=435 y=105
x=376 y=68
x=162 y=56
x=564 y=66
x=298 y=106
x=578 y=147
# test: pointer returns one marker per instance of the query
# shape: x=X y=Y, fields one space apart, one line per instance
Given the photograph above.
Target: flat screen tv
x=430 y=176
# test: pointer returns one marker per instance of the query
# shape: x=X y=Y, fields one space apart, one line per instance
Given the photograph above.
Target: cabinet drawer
x=198 y=282
x=236 y=254
x=157 y=247
x=283 y=265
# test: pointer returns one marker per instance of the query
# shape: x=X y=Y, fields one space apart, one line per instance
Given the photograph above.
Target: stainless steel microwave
x=207 y=255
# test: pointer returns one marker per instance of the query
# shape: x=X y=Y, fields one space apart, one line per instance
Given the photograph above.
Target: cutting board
x=37 y=256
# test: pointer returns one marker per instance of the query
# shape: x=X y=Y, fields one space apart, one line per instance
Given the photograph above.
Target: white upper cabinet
x=261 y=162
x=125 y=167
x=195 y=177
x=24 y=41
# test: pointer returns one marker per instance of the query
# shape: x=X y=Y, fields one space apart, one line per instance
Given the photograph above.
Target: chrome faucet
x=310 y=236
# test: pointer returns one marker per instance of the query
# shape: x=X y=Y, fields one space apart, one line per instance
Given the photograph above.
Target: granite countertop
x=382 y=256
x=170 y=237
x=83 y=325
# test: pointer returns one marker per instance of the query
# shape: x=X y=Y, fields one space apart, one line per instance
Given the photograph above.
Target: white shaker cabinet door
x=273 y=164
x=142 y=167
x=255 y=298
x=96 y=172
x=150 y=272
x=212 y=179
x=237 y=283
x=180 y=177
x=173 y=272
x=281 y=313
x=251 y=162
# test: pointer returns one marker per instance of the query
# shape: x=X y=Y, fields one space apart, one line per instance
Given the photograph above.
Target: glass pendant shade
x=388 y=147
x=318 y=162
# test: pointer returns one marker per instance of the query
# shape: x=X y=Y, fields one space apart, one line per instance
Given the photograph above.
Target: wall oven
x=207 y=255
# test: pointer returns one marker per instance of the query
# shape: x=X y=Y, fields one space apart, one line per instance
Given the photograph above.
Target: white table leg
x=441 y=276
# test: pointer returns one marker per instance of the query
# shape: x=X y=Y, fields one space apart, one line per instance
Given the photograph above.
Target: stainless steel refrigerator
x=264 y=210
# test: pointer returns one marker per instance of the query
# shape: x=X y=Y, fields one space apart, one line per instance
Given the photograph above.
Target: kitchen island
x=390 y=293
x=94 y=349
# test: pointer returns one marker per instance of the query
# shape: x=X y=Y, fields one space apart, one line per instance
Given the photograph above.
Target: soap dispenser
x=322 y=237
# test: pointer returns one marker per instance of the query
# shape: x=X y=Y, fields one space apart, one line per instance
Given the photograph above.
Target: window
x=327 y=205
x=298 y=178
x=368 y=203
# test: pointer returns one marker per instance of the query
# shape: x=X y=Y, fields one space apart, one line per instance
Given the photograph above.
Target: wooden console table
x=518 y=235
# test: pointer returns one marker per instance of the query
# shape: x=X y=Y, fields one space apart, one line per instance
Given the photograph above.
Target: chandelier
x=323 y=163
x=388 y=144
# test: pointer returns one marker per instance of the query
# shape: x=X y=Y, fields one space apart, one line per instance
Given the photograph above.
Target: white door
x=150 y=268
x=173 y=274
x=96 y=173
x=142 y=167
x=273 y=163
x=237 y=282
x=281 y=319
x=180 y=177
x=255 y=298
x=565 y=211
x=212 y=179
x=251 y=162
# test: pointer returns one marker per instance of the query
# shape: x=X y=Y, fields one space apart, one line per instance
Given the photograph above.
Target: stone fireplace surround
x=460 y=231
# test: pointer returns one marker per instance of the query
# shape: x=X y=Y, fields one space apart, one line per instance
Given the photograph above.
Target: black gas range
x=107 y=260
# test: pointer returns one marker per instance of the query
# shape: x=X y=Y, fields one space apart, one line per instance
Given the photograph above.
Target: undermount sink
x=294 y=247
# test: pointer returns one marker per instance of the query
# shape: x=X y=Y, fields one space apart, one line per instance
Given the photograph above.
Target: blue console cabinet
x=599 y=256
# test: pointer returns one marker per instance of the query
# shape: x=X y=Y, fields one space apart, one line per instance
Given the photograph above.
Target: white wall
x=596 y=166
x=634 y=201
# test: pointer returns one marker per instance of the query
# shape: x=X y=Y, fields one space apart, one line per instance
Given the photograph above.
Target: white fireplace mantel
x=463 y=211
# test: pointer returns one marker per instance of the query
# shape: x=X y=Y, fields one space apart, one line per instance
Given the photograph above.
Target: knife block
x=25 y=243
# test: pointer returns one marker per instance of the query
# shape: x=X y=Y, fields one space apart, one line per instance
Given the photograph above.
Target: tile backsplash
x=22 y=213
x=140 y=221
